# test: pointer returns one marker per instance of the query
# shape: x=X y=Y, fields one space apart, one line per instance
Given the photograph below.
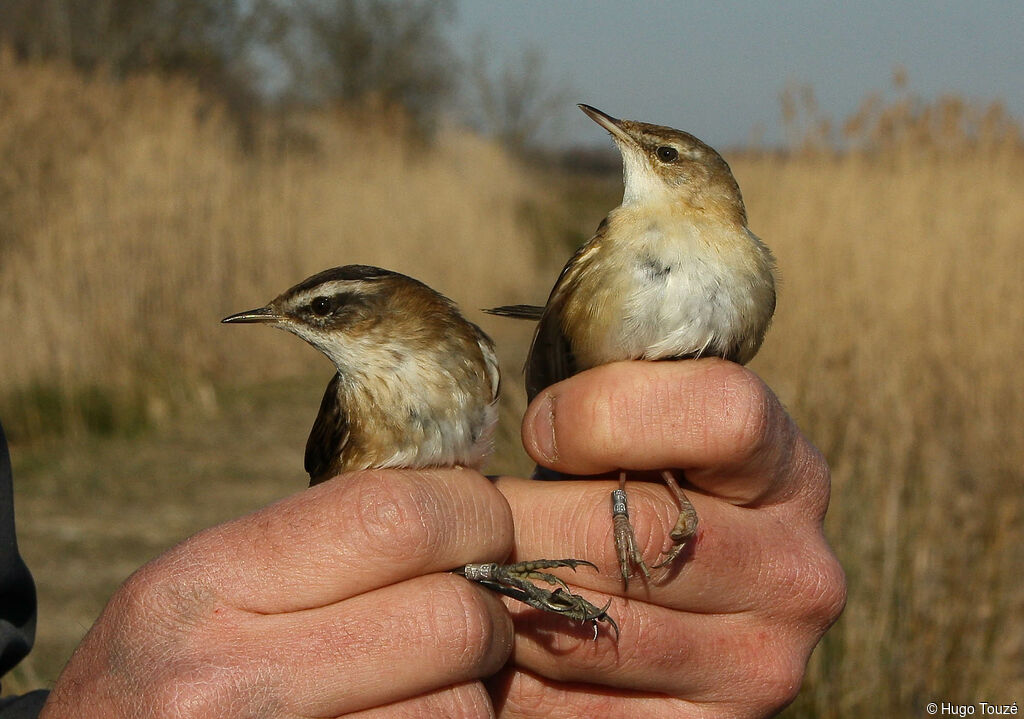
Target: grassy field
x=130 y=223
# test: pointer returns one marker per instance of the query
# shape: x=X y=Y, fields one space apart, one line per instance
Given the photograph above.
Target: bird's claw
x=685 y=528
x=513 y=580
x=576 y=607
x=681 y=534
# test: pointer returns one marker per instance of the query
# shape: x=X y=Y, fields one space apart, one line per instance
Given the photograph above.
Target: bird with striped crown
x=416 y=386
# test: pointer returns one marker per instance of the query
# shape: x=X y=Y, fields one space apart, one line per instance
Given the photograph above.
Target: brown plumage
x=416 y=383
x=416 y=386
x=672 y=273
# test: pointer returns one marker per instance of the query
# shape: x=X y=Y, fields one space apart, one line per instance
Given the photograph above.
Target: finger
x=714 y=419
x=350 y=535
x=703 y=658
x=518 y=694
x=741 y=560
x=382 y=647
x=463 y=701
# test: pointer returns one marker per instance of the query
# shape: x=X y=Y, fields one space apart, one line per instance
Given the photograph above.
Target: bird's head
x=661 y=164
x=343 y=310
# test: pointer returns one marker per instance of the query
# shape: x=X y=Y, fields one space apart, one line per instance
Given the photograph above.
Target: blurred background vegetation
x=163 y=164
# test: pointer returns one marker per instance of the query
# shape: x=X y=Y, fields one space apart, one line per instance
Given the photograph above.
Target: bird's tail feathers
x=519 y=312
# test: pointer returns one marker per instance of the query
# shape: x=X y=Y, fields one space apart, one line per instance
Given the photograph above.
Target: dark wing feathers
x=551 y=358
x=328 y=437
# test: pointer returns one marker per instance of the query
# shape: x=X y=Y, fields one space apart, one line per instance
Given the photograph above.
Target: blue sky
x=717 y=68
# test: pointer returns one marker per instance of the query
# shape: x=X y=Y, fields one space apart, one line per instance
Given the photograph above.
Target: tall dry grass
x=130 y=223
x=896 y=345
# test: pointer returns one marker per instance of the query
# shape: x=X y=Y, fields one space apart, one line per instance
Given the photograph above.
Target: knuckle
x=810 y=581
x=740 y=412
x=530 y=698
x=816 y=486
x=179 y=670
x=163 y=593
x=466 y=627
x=395 y=514
x=141 y=595
x=775 y=682
x=827 y=597
x=204 y=689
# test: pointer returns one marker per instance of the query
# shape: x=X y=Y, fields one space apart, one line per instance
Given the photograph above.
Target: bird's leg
x=513 y=580
x=521 y=573
x=625 y=541
x=686 y=523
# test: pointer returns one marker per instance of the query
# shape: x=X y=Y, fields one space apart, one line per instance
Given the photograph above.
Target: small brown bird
x=416 y=386
x=671 y=273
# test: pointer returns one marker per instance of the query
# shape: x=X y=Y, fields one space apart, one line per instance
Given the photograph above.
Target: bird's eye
x=321 y=306
x=667 y=154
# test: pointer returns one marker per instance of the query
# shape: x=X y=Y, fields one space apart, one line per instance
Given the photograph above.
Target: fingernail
x=543 y=429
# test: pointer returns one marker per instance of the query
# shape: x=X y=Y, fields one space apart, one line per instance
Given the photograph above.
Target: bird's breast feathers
x=681 y=290
x=420 y=409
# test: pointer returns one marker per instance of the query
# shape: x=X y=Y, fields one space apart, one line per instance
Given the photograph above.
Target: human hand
x=328 y=602
x=728 y=630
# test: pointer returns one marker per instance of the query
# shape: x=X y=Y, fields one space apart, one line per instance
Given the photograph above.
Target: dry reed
x=895 y=346
x=133 y=223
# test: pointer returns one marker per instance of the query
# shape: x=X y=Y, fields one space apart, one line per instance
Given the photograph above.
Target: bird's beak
x=609 y=123
x=261 y=314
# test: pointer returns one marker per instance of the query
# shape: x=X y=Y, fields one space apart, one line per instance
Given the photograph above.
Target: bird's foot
x=514 y=580
x=625 y=541
x=685 y=528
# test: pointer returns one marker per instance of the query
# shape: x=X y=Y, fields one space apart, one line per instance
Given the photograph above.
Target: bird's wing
x=329 y=436
x=551 y=357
